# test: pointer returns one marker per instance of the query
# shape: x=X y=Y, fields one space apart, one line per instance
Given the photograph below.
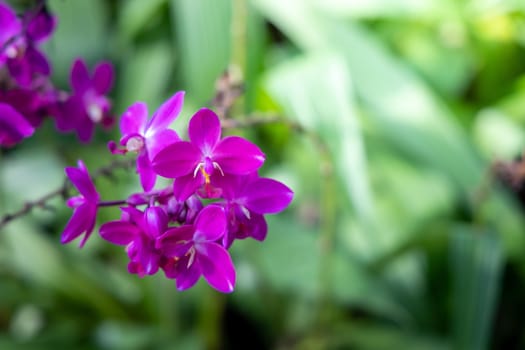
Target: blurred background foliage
x=400 y=125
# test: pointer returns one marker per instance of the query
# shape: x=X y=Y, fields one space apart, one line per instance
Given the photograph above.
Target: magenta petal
x=103 y=77
x=134 y=119
x=83 y=183
x=204 y=130
x=85 y=129
x=176 y=242
x=21 y=71
x=187 y=274
x=156 y=220
x=216 y=266
x=82 y=219
x=37 y=61
x=40 y=25
x=256 y=227
x=267 y=196
x=13 y=126
x=9 y=23
x=210 y=224
x=178 y=159
x=160 y=140
x=166 y=114
x=236 y=155
x=185 y=186
x=145 y=171
x=149 y=260
x=119 y=232
x=80 y=77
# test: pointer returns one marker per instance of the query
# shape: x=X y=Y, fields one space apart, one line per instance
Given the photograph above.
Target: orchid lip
x=135 y=144
x=95 y=112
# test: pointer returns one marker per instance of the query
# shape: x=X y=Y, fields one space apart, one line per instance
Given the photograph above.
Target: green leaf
x=202 y=29
x=82 y=31
x=476 y=265
x=402 y=108
x=134 y=15
x=323 y=103
x=146 y=75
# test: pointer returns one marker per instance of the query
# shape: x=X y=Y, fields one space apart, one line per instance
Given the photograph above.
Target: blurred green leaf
x=380 y=8
x=202 y=29
x=145 y=75
x=323 y=104
x=82 y=31
x=400 y=105
x=136 y=14
x=476 y=265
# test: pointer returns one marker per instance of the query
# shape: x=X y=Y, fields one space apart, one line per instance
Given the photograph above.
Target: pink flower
x=88 y=105
x=85 y=205
x=148 y=137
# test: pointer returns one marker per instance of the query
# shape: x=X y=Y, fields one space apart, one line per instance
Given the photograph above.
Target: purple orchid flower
x=192 y=251
x=246 y=200
x=148 y=137
x=194 y=162
x=85 y=205
x=13 y=126
x=18 y=43
x=88 y=104
x=138 y=231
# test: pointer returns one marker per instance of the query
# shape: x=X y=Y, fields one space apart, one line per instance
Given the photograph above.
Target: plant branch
x=63 y=190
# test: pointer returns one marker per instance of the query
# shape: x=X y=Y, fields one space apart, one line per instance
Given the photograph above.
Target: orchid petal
x=149 y=260
x=156 y=220
x=204 y=130
x=255 y=227
x=85 y=129
x=80 y=80
x=236 y=155
x=187 y=274
x=185 y=186
x=210 y=224
x=13 y=126
x=103 y=77
x=78 y=223
x=119 y=232
x=83 y=183
x=145 y=171
x=21 y=71
x=9 y=23
x=40 y=25
x=160 y=140
x=178 y=159
x=267 y=196
x=166 y=114
x=134 y=119
x=37 y=61
x=176 y=242
x=216 y=266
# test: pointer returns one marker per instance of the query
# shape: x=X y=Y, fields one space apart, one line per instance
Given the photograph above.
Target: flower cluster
x=186 y=228
x=27 y=95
